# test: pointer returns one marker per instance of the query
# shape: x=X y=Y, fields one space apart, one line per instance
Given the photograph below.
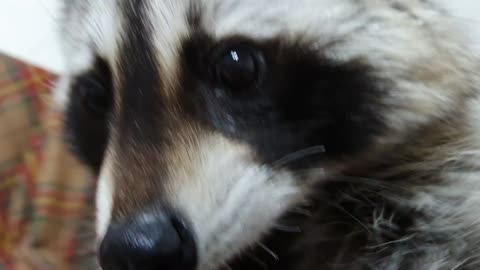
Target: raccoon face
x=207 y=121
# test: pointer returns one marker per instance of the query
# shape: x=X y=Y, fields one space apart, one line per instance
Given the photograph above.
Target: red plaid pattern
x=46 y=209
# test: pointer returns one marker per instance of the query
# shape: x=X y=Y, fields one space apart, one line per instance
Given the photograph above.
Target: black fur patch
x=346 y=226
x=139 y=119
x=86 y=124
x=301 y=100
x=140 y=79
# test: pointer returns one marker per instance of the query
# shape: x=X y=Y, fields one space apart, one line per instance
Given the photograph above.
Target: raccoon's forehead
x=100 y=26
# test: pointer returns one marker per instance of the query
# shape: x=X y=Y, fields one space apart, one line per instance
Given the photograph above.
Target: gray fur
x=413 y=200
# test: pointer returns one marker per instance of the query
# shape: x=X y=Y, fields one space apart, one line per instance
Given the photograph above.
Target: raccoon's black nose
x=147 y=243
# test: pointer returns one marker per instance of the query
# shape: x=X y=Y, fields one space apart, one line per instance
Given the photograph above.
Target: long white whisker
x=288 y=229
x=299 y=155
x=301 y=211
x=352 y=216
x=269 y=251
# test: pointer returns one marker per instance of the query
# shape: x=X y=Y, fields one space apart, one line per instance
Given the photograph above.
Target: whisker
x=269 y=251
x=301 y=211
x=387 y=186
x=299 y=155
x=391 y=242
x=320 y=172
x=287 y=228
x=460 y=264
x=350 y=215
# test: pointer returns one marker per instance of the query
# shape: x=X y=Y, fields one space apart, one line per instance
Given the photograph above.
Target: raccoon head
x=207 y=121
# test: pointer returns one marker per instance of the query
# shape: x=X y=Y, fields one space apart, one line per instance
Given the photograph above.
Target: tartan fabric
x=46 y=211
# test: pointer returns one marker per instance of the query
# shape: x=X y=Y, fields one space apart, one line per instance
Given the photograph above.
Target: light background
x=28 y=28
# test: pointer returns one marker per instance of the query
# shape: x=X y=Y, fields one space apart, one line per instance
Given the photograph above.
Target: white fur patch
x=92 y=29
x=104 y=199
x=230 y=200
x=168 y=19
x=60 y=92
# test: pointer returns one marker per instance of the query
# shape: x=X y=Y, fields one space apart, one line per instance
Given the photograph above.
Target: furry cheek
x=231 y=200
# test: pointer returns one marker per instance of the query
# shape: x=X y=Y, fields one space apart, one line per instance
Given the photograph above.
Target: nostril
x=156 y=242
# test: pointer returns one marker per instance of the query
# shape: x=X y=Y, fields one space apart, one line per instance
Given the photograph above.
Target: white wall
x=28 y=29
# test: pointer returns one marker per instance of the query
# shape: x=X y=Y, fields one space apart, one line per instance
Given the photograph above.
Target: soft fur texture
x=357 y=148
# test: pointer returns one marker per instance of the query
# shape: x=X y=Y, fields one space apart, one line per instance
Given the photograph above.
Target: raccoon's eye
x=87 y=115
x=237 y=68
x=93 y=94
x=93 y=89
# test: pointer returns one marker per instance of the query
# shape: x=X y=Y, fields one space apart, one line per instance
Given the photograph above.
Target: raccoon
x=276 y=134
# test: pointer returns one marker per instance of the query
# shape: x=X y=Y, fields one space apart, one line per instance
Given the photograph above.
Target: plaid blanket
x=46 y=211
